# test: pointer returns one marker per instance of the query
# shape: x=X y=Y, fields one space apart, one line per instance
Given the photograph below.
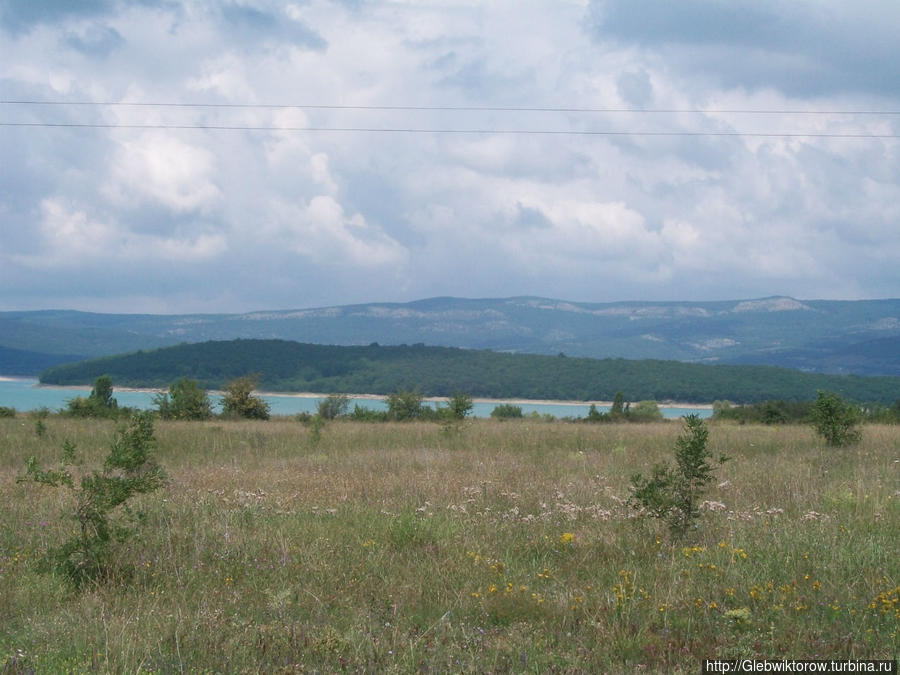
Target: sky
x=595 y=151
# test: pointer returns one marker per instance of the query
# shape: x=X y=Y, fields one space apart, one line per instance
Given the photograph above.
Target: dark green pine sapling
x=129 y=470
x=673 y=493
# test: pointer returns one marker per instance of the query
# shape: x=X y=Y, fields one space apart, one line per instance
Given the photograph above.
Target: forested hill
x=436 y=371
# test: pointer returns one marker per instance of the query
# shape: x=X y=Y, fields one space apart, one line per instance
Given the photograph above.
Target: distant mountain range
x=826 y=336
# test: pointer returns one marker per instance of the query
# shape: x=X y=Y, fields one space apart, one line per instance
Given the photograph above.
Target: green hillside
x=25 y=362
x=437 y=371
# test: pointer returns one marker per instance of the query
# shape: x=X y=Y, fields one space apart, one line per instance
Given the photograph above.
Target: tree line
x=186 y=399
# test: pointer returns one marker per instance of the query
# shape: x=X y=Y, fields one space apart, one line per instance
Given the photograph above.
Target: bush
x=7 y=412
x=128 y=470
x=673 y=494
x=507 y=411
x=100 y=402
x=185 y=401
x=835 y=420
x=363 y=414
x=404 y=405
x=460 y=406
x=595 y=415
x=334 y=406
x=644 y=411
x=238 y=400
x=767 y=412
x=880 y=414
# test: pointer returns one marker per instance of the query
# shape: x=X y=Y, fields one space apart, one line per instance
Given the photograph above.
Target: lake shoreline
x=514 y=401
x=371 y=397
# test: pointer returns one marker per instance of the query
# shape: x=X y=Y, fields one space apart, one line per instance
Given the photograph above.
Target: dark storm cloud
x=18 y=16
x=800 y=48
x=96 y=40
x=635 y=88
x=255 y=25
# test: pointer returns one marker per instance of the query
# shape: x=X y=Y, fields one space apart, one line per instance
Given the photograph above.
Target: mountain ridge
x=831 y=336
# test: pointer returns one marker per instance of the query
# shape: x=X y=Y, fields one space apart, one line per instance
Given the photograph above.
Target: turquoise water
x=24 y=395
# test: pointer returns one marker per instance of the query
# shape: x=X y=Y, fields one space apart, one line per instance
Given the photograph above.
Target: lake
x=23 y=395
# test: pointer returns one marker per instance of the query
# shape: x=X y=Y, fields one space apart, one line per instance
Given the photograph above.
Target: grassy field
x=500 y=547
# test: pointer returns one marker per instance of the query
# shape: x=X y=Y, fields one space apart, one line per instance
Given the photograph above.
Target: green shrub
x=767 y=412
x=506 y=411
x=100 y=402
x=673 y=493
x=460 y=405
x=89 y=556
x=334 y=406
x=836 y=420
x=644 y=411
x=238 y=400
x=364 y=414
x=595 y=415
x=618 y=405
x=404 y=405
x=185 y=401
x=7 y=412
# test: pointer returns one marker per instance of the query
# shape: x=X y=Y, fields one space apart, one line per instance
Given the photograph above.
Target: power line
x=300 y=106
x=413 y=130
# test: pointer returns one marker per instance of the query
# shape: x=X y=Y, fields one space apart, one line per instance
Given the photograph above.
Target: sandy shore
x=87 y=387
x=515 y=401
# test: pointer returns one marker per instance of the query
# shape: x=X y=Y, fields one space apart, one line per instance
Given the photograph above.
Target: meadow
x=488 y=547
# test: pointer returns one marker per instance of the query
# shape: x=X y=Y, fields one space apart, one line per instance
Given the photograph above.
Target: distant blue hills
x=823 y=336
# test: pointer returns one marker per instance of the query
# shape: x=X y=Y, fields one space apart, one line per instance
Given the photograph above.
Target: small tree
x=100 y=402
x=334 y=406
x=673 y=494
x=239 y=401
x=102 y=392
x=185 y=401
x=460 y=406
x=404 y=405
x=618 y=405
x=128 y=470
x=835 y=420
x=772 y=414
x=595 y=415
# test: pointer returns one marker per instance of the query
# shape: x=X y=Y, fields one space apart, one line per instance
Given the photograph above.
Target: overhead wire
x=443 y=130
x=322 y=106
x=413 y=130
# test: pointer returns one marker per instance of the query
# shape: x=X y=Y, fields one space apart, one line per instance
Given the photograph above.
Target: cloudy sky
x=684 y=168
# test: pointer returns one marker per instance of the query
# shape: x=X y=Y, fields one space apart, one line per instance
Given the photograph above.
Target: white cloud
x=224 y=75
x=324 y=234
x=161 y=168
x=72 y=238
x=394 y=216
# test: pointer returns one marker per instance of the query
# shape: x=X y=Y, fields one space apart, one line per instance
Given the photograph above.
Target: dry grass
x=500 y=547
